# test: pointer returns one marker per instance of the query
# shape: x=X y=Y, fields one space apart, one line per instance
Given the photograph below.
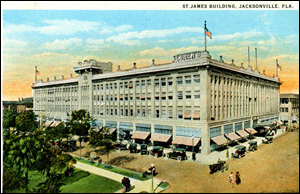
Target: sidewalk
x=138 y=186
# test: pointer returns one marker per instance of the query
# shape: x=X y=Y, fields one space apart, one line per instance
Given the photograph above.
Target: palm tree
x=24 y=154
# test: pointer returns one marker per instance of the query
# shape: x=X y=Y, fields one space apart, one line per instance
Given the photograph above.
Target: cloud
x=62 y=44
x=13 y=46
x=94 y=41
x=152 y=33
x=54 y=27
x=67 y=27
x=110 y=29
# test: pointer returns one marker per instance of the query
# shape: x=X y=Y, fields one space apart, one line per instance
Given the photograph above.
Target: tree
x=9 y=118
x=24 y=154
x=80 y=124
x=102 y=139
x=25 y=122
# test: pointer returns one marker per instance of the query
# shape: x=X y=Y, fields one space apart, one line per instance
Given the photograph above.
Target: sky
x=56 y=40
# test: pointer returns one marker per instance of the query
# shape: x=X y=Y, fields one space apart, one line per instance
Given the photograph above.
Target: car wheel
x=179 y=158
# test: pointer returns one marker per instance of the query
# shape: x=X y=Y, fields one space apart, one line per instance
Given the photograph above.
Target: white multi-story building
x=193 y=100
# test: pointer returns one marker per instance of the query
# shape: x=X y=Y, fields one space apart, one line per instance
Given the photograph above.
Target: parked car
x=252 y=145
x=144 y=149
x=157 y=151
x=268 y=139
x=133 y=148
x=220 y=165
x=240 y=152
x=121 y=146
x=178 y=153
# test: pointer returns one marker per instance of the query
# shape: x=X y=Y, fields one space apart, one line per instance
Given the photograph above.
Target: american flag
x=278 y=67
x=37 y=72
x=208 y=33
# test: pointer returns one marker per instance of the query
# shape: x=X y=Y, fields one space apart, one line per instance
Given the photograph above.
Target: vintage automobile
x=144 y=149
x=133 y=148
x=178 y=153
x=252 y=145
x=157 y=151
x=220 y=165
x=240 y=152
x=268 y=139
x=121 y=146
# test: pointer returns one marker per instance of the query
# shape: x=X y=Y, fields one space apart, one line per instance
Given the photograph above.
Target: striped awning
x=242 y=133
x=140 y=135
x=160 y=137
x=185 y=141
x=55 y=124
x=232 y=136
x=251 y=131
x=219 y=140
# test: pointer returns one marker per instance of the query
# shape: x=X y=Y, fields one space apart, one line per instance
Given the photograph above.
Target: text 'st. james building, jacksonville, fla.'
x=193 y=100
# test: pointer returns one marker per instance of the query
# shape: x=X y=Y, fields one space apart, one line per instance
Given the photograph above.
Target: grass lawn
x=79 y=182
x=121 y=171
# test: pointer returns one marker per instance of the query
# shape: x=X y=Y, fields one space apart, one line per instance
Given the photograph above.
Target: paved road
x=137 y=185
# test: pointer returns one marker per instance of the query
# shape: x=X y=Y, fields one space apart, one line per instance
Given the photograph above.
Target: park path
x=137 y=185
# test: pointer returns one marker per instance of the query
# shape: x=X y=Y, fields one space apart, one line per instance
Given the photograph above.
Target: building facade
x=193 y=100
x=289 y=108
x=24 y=104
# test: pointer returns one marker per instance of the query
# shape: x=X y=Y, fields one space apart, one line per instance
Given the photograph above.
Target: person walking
x=193 y=156
x=230 y=177
x=237 y=178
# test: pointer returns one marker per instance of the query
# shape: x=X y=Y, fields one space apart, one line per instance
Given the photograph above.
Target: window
x=179 y=80
x=196 y=94
x=163 y=81
x=163 y=95
x=170 y=81
x=148 y=82
x=148 y=96
x=143 y=83
x=126 y=84
x=121 y=85
x=163 y=114
x=286 y=110
x=126 y=97
x=179 y=95
x=115 y=85
x=170 y=95
x=170 y=113
x=179 y=114
x=137 y=84
x=130 y=85
x=188 y=95
x=156 y=95
x=196 y=79
x=156 y=82
x=188 y=79
x=156 y=112
x=131 y=112
x=149 y=113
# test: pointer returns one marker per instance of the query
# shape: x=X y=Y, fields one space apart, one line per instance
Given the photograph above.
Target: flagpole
x=35 y=76
x=205 y=35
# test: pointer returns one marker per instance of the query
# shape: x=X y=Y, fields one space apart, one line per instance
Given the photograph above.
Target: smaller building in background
x=289 y=108
x=23 y=104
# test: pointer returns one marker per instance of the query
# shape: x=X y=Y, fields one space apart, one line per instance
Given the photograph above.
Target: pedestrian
x=237 y=178
x=124 y=183
x=194 y=156
x=230 y=177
